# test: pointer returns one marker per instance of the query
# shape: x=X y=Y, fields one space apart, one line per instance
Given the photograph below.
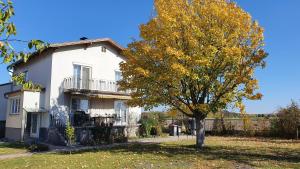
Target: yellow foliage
x=196 y=56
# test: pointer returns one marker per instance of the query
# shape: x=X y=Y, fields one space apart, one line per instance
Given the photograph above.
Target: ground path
x=10 y=156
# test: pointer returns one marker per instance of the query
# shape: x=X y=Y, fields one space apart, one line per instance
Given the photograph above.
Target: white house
x=79 y=83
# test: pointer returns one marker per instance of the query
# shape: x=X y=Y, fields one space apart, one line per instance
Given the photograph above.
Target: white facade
x=50 y=69
x=103 y=66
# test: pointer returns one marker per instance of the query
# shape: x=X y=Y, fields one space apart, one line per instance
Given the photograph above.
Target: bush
x=287 y=121
x=70 y=133
x=154 y=122
x=38 y=147
x=146 y=125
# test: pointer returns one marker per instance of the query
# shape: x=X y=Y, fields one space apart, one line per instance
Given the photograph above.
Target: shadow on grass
x=15 y=145
x=238 y=154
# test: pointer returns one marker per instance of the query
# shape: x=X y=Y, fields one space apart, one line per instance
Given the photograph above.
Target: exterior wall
x=13 y=133
x=134 y=115
x=101 y=107
x=39 y=71
x=103 y=67
x=3 y=101
x=32 y=100
x=53 y=67
x=14 y=122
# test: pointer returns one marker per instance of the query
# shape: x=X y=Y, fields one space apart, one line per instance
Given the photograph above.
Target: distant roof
x=118 y=47
x=5 y=84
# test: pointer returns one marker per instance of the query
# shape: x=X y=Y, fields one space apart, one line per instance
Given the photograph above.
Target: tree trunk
x=200 y=132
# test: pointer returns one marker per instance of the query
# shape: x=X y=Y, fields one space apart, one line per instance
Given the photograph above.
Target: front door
x=35 y=126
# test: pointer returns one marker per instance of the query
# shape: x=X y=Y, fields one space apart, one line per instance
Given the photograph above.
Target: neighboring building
x=4 y=88
x=3 y=106
x=79 y=83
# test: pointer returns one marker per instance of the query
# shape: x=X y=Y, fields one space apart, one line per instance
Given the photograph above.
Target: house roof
x=88 y=41
x=8 y=94
x=118 y=47
x=5 y=84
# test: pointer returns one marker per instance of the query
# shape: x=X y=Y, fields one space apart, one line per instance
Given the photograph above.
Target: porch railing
x=59 y=125
x=72 y=83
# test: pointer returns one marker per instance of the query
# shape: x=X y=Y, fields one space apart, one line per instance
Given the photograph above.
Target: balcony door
x=82 y=76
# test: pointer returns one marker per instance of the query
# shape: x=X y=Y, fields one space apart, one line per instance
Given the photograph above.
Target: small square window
x=103 y=49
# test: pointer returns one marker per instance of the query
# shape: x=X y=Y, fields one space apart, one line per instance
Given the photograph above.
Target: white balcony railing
x=72 y=83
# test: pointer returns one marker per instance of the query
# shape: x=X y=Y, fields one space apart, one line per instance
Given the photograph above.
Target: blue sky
x=59 y=21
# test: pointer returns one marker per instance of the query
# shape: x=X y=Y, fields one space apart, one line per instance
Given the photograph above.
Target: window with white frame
x=121 y=110
x=82 y=76
x=118 y=75
x=15 y=105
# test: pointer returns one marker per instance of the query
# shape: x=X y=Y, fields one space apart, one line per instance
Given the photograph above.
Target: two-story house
x=79 y=84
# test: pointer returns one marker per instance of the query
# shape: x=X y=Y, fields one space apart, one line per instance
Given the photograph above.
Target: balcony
x=72 y=84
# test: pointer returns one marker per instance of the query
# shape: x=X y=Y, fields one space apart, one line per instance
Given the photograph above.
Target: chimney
x=83 y=38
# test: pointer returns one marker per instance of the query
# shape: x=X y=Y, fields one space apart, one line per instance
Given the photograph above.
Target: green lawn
x=11 y=148
x=220 y=152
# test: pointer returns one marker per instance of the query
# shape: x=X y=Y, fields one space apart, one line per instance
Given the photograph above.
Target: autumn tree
x=197 y=56
x=8 y=31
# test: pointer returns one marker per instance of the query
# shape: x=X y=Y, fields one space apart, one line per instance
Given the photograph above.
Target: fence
x=96 y=135
x=59 y=125
x=92 y=135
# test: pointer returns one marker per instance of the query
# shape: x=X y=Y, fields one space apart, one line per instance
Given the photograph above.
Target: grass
x=11 y=148
x=220 y=152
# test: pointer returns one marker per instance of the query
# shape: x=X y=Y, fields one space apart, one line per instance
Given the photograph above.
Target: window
x=15 y=105
x=82 y=76
x=80 y=105
x=103 y=49
x=26 y=76
x=121 y=111
x=118 y=76
x=80 y=108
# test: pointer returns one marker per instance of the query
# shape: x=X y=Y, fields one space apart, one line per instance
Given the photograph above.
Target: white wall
x=134 y=114
x=15 y=120
x=103 y=67
x=52 y=68
x=39 y=71
x=3 y=101
x=101 y=107
x=31 y=100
